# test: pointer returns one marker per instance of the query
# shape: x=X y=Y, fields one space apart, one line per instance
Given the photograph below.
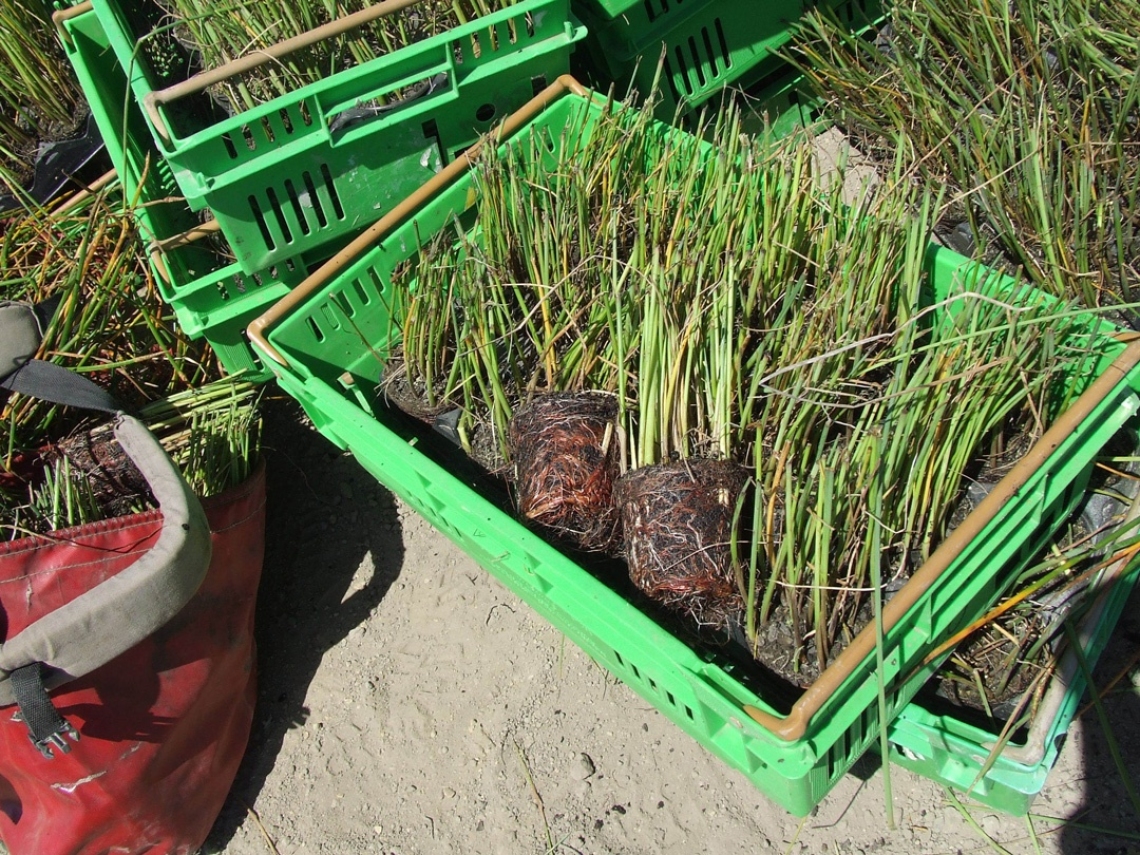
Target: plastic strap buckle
x=56 y=740
x=46 y=727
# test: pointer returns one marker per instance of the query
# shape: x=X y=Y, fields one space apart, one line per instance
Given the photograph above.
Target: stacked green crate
x=211 y=298
x=289 y=181
x=702 y=46
x=1007 y=773
x=298 y=173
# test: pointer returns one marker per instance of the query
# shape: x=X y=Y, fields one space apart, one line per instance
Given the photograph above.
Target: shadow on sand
x=333 y=549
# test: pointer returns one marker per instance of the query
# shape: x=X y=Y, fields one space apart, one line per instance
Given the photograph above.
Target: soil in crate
x=478 y=440
x=169 y=62
x=411 y=396
x=677 y=523
x=564 y=450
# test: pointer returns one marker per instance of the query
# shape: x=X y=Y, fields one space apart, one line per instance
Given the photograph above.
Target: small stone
x=991 y=825
x=585 y=766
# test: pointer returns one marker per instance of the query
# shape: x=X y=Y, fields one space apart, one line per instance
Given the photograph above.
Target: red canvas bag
x=163 y=726
x=127 y=662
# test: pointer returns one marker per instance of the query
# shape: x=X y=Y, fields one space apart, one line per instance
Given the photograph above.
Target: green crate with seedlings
x=781 y=365
x=992 y=724
x=302 y=127
x=212 y=297
x=702 y=46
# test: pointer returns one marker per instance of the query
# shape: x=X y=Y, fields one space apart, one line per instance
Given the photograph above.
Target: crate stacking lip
x=211 y=299
x=324 y=343
x=703 y=46
x=304 y=169
x=945 y=747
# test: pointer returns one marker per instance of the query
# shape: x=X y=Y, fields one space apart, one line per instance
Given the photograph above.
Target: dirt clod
x=677 y=521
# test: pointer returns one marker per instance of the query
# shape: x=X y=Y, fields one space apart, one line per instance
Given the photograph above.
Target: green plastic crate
x=782 y=102
x=703 y=45
x=210 y=301
x=944 y=747
x=324 y=344
x=285 y=179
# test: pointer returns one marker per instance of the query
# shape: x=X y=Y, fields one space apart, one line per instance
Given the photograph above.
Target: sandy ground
x=409 y=703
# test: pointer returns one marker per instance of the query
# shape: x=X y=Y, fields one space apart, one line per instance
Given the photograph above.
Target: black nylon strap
x=47 y=728
x=45 y=311
x=58 y=385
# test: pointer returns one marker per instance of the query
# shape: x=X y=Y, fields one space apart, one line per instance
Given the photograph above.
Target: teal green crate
x=303 y=170
x=325 y=343
x=946 y=747
x=211 y=299
x=703 y=46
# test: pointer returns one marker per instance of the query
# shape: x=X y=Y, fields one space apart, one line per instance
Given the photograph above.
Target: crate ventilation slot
x=264 y=132
x=695 y=63
x=315 y=328
x=362 y=295
x=634 y=672
x=492 y=39
x=656 y=8
x=243 y=283
x=296 y=210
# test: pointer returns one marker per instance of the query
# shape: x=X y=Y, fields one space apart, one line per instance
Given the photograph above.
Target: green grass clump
x=1027 y=111
x=742 y=308
x=40 y=100
x=111 y=326
x=212 y=433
